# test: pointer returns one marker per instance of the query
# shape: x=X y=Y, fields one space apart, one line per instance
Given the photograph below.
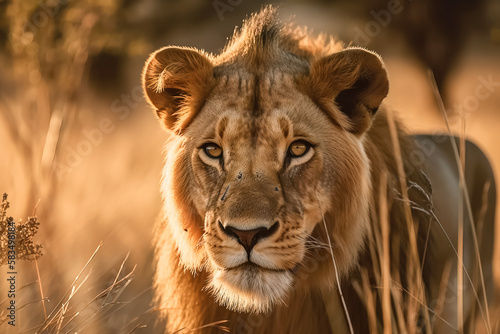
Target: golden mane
x=263 y=40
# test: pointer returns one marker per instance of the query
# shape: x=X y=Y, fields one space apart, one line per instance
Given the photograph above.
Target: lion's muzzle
x=248 y=238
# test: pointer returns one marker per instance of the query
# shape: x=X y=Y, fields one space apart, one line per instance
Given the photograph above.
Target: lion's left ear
x=354 y=80
x=176 y=82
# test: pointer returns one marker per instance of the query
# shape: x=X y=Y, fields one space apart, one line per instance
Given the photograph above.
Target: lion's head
x=268 y=145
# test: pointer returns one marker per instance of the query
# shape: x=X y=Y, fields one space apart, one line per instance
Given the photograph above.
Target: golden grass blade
x=103 y=294
x=71 y=319
x=370 y=303
x=137 y=327
x=107 y=291
x=125 y=304
x=424 y=305
x=404 y=190
x=385 y=260
x=116 y=278
x=74 y=290
x=61 y=317
x=401 y=323
x=41 y=289
x=148 y=312
x=469 y=279
x=439 y=100
x=460 y=245
x=415 y=266
x=442 y=289
x=426 y=245
x=213 y=324
x=51 y=140
x=480 y=225
x=57 y=309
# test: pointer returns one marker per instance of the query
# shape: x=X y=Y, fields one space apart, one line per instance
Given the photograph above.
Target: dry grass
x=22 y=234
x=44 y=111
x=103 y=208
x=63 y=317
x=402 y=308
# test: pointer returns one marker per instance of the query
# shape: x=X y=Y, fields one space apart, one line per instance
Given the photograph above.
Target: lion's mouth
x=249 y=287
x=253 y=267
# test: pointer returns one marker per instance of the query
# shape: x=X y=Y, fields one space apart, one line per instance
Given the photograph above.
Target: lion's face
x=252 y=178
x=261 y=176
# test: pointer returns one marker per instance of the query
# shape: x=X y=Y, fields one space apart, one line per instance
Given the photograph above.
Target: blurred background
x=80 y=148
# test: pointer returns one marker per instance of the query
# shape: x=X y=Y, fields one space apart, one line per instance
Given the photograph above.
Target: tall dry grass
x=46 y=104
x=393 y=307
x=95 y=274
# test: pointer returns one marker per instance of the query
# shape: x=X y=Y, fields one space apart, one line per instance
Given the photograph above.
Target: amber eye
x=212 y=150
x=298 y=148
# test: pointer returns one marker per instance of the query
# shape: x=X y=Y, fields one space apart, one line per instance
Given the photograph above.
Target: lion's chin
x=250 y=288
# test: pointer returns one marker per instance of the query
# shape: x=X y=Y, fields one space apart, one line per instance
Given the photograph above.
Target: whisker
x=335 y=267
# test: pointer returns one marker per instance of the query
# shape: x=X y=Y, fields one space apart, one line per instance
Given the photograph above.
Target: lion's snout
x=250 y=203
x=248 y=238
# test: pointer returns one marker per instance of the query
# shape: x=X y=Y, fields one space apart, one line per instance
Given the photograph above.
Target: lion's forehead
x=256 y=93
x=258 y=131
x=253 y=110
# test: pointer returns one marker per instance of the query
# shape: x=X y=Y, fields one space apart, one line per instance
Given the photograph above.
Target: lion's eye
x=298 y=148
x=212 y=150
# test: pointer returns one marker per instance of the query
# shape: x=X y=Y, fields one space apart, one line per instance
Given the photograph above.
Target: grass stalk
x=386 y=257
x=484 y=313
x=41 y=289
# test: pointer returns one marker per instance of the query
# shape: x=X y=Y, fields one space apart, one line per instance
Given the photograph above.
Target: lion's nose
x=248 y=238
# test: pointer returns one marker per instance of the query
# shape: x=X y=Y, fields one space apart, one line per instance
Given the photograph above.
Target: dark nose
x=248 y=238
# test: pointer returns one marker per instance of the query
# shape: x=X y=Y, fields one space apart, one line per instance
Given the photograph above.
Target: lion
x=284 y=176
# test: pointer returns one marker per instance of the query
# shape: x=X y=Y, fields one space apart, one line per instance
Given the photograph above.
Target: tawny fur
x=271 y=85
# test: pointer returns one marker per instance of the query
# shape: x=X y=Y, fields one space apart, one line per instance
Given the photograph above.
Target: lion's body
x=442 y=169
x=300 y=144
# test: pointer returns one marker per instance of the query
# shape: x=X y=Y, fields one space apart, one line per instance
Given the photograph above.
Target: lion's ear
x=176 y=82
x=355 y=81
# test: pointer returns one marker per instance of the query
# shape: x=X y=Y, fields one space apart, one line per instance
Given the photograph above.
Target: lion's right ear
x=177 y=82
x=355 y=81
